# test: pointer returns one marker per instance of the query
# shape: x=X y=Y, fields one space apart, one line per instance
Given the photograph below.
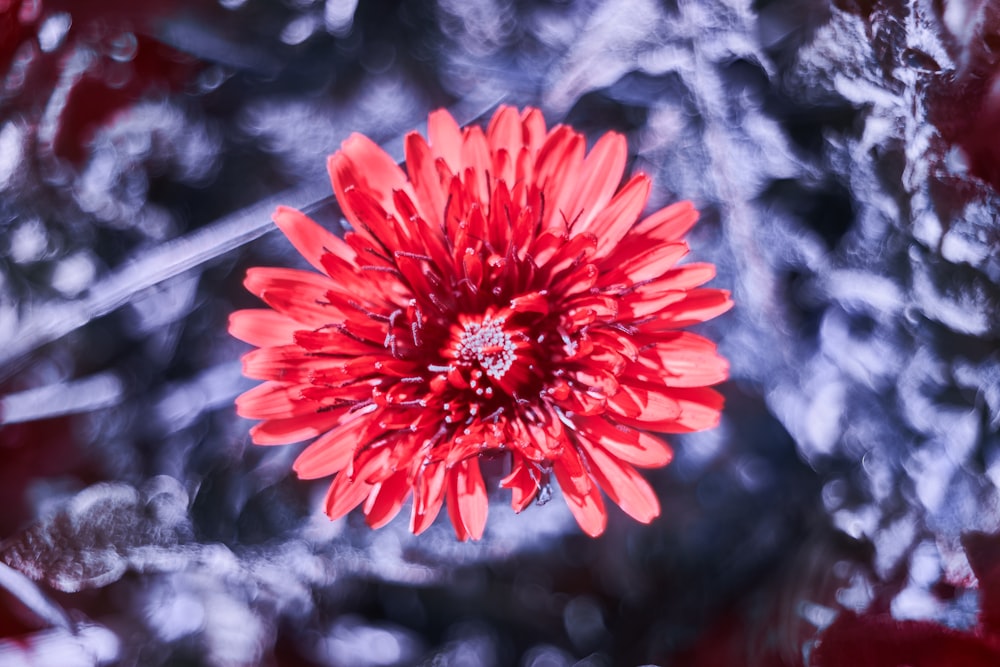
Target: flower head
x=495 y=298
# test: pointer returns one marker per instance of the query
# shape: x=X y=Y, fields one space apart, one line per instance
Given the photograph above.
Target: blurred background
x=844 y=156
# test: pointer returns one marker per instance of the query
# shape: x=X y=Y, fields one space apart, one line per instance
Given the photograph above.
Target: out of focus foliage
x=845 y=158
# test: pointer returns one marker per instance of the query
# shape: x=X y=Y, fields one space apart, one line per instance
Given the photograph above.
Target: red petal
x=654 y=405
x=273 y=400
x=620 y=215
x=533 y=302
x=522 y=483
x=472 y=502
x=478 y=164
x=427 y=186
x=623 y=484
x=557 y=174
x=428 y=495
x=631 y=445
x=287 y=364
x=670 y=223
x=600 y=176
x=647 y=264
x=584 y=501
x=331 y=452
x=300 y=295
x=295 y=429
x=386 y=499
x=311 y=240
x=505 y=134
x=682 y=278
x=362 y=165
x=374 y=218
x=534 y=129
x=698 y=306
x=686 y=361
x=700 y=409
x=262 y=327
x=446 y=139
x=344 y=495
x=504 y=130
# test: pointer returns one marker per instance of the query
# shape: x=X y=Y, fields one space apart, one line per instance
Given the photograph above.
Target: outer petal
x=618 y=217
x=633 y=446
x=273 y=400
x=523 y=484
x=582 y=496
x=360 y=164
x=670 y=223
x=697 y=306
x=295 y=429
x=345 y=494
x=311 y=240
x=262 y=327
x=688 y=360
x=386 y=499
x=428 y=495
x=697 y=409
x=446 y=139
x=601 y=173
x=427 y=187
x=331 y=452
x=300 y=295
x=623 y=484
x=470 y=500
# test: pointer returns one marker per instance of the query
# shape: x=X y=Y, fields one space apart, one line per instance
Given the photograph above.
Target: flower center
x=487 y=344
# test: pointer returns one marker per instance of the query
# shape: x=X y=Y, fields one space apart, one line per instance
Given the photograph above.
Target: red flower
x=499 y=299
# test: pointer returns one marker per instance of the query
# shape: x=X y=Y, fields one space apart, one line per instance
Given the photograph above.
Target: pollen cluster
x=487 y=344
